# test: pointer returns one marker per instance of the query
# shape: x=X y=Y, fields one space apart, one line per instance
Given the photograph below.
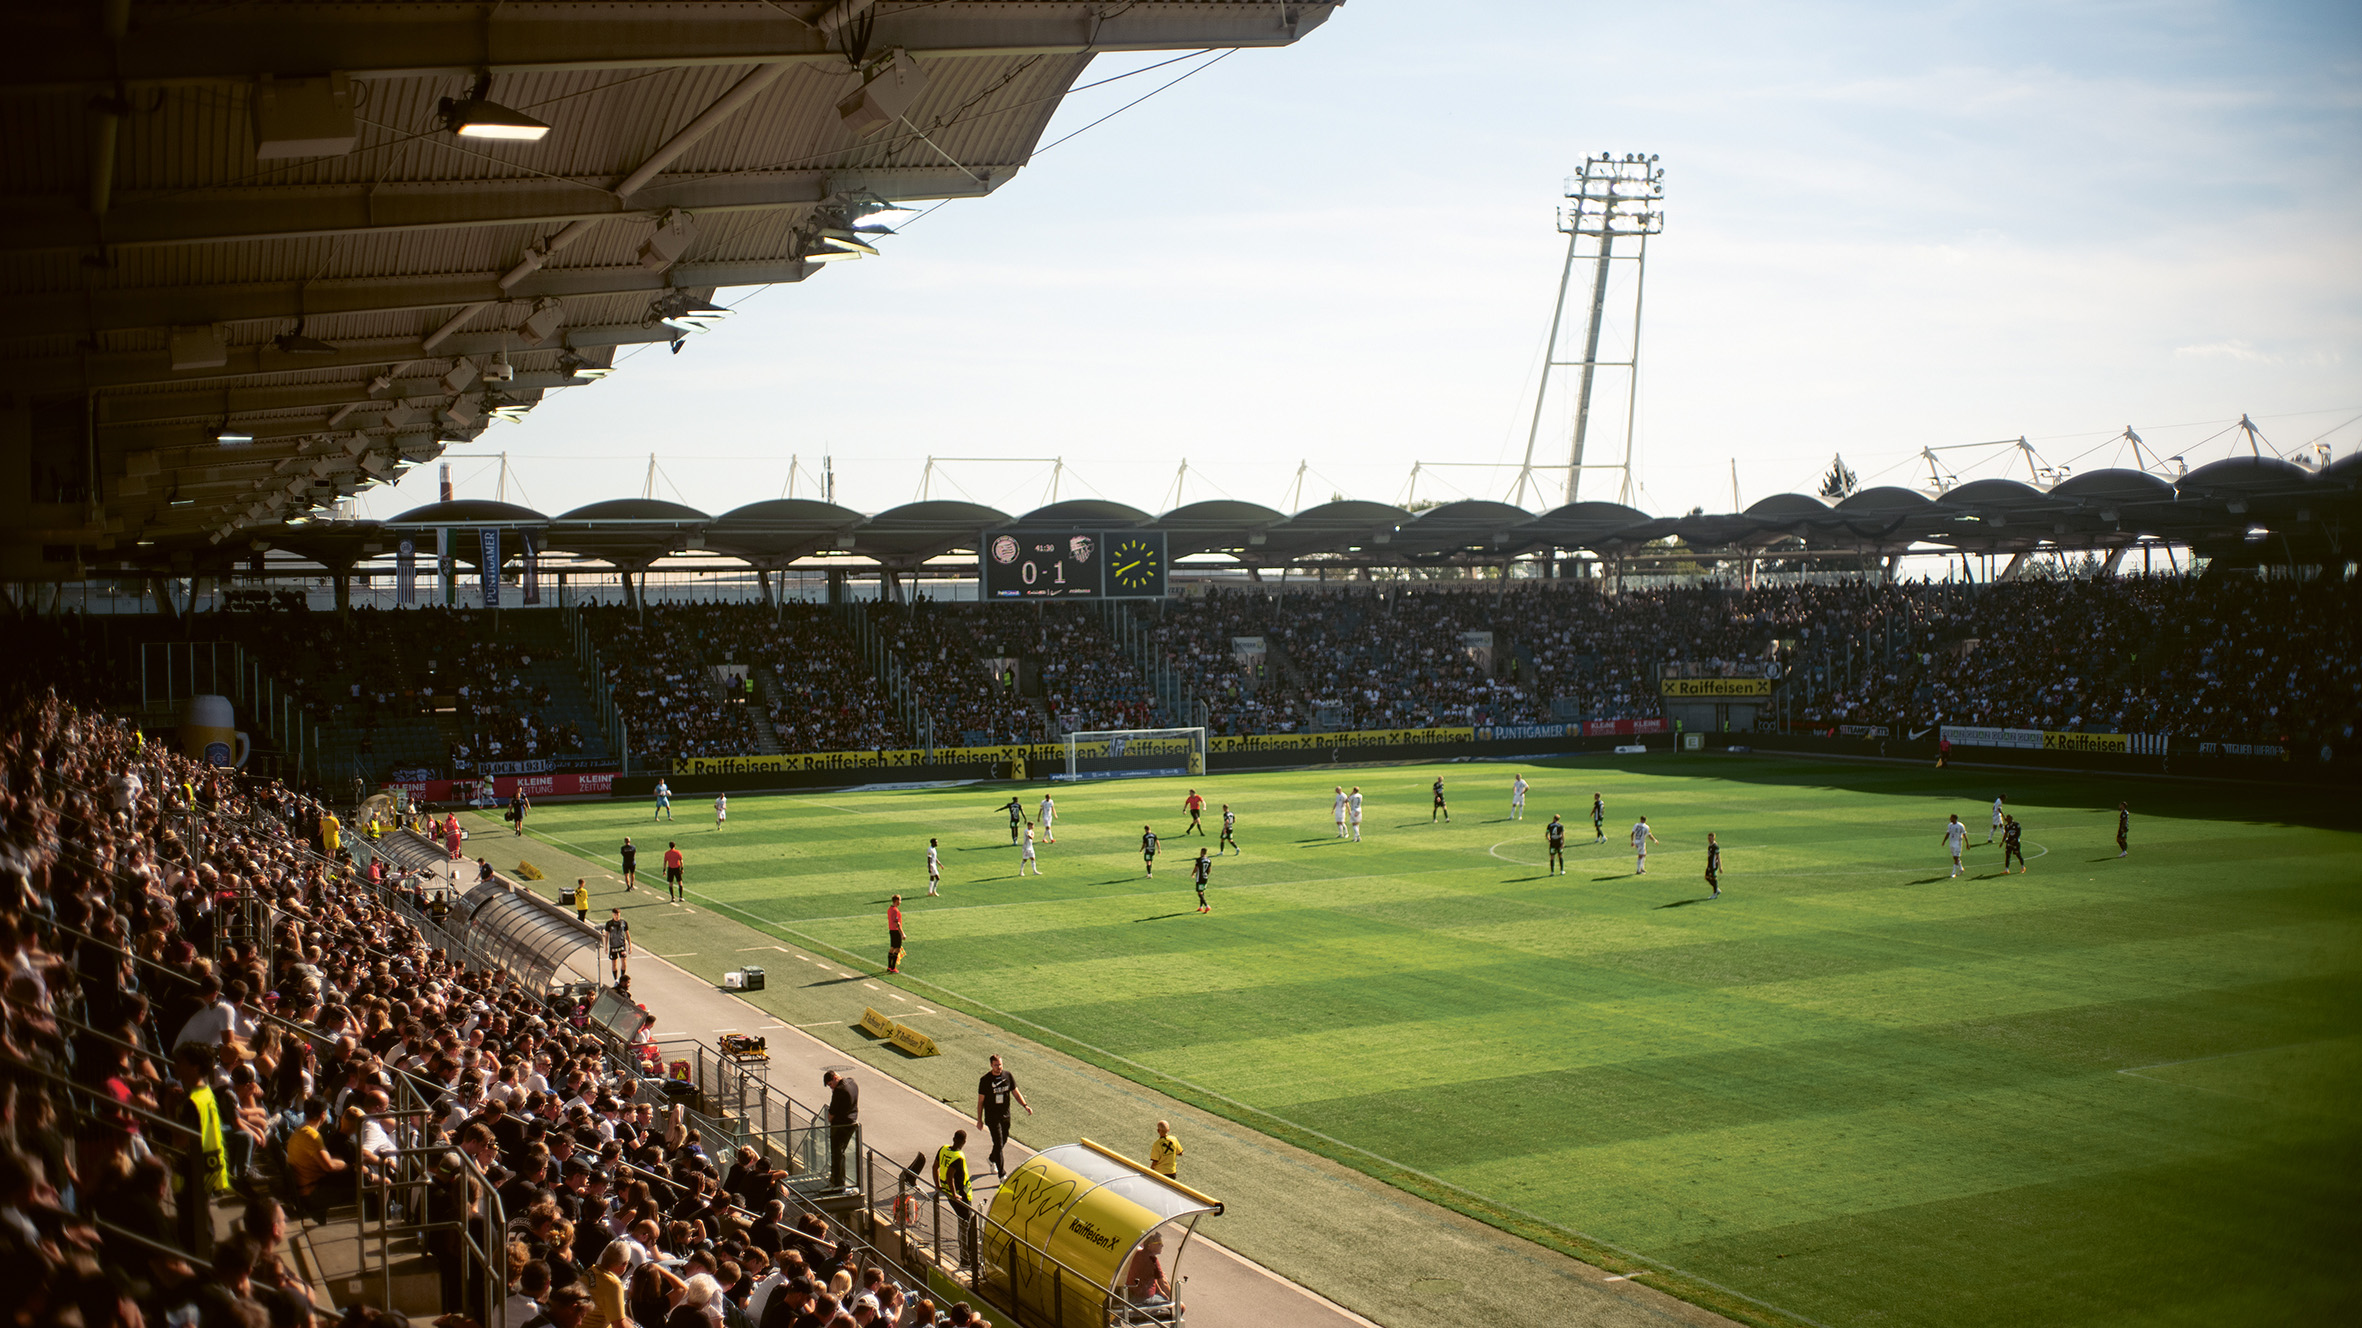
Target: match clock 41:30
x=1136 y=565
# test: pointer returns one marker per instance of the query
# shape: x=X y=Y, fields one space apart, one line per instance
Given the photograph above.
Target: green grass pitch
x=2103 y=1091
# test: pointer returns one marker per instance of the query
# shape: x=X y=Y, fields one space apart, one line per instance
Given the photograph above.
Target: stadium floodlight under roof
x=477 y=116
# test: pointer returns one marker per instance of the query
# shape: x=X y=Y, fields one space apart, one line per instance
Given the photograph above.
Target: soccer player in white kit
x=1353 y=811
x=1955 y=839
x=1049 y=814
x=1339 y=811
x=1642 y=837
x=1026 y=859
x=934 y=868
x=721 y=810
x=1995 y=832
x=1517 y=798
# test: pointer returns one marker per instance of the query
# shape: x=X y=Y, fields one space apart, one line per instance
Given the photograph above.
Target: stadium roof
x=2222 y=509
x=253 y=268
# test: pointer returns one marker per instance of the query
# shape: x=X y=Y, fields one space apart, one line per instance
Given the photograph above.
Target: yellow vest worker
x=951 y=1172
x=217 y=1158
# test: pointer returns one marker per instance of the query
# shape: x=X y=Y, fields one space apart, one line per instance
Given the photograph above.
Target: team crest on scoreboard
x=1081 y=546
x=1004 y=550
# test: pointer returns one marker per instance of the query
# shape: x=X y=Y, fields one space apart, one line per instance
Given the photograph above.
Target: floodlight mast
x=1614 y=197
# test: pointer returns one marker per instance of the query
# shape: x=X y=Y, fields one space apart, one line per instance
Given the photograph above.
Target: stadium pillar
x=342 y=578
x=763 y=579
x=836 y=585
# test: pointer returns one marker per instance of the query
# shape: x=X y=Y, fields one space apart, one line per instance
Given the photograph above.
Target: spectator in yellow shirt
x=308 y=1160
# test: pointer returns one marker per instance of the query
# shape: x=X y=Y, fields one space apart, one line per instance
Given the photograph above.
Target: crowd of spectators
x=2223 y=659
x=1243 y=691
x=659 y=671
x=823 y=698
x=359 y=670
x=1087 y=681
x=164 y=1059
x=971 y=703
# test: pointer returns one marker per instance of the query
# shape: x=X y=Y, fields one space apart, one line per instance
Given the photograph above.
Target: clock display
x=1137 y=566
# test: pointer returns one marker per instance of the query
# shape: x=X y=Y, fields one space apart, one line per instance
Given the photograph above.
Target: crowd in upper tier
x=160 y=1057
x=2221 y=658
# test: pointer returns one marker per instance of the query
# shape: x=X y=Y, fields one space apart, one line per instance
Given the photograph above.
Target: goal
x=1129 y=753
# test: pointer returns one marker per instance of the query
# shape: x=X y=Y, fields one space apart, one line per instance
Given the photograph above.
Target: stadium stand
x=2236 y=658
x=219 y=1028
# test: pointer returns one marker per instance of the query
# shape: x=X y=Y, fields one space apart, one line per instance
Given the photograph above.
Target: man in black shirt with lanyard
x=993 y=1094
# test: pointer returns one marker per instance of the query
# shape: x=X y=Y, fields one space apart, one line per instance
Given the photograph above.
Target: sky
x=1307 y=271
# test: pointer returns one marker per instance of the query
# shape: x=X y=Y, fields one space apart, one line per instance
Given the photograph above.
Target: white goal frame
x=1188 y=752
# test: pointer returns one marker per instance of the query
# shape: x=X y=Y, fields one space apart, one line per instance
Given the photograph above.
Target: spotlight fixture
x=475 y=116
x=229 y=434
x=296 y=343
x=574 y=366
x=684 y=312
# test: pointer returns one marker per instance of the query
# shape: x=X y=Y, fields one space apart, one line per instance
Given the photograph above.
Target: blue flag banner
x=532 y=568
x=491 y=567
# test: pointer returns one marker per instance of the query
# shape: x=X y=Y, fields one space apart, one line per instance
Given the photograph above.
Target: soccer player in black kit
x=1200 y=872
x=2123 y=828
x=1713 y=865
x=1440 y=809
x=994 y=1092
x=631 y=864
x=1016 y=813
x=1598 y=820
x=1555 y=835
x=2010 y=830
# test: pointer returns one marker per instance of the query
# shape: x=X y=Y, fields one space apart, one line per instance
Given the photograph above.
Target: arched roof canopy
x=1475 y=526
x=1217 y=524
x=1092 y=512
x=469 y=512
x=2008 y=495
x=2114 y=486
x=1337 y=527
x=628 y=532
x=908 y=535
x=330 y=544
x=1784 y=508
x=777 y=531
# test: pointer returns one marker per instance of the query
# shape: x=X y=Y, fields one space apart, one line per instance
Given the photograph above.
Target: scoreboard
x=1073 y=564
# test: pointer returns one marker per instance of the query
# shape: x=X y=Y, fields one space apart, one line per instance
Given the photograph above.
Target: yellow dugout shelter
x=1076 y=1232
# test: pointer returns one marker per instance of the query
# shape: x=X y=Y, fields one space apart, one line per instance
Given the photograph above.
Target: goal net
x=1127 y=753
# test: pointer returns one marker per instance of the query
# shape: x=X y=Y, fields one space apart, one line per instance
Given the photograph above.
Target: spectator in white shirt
x=212 y=1024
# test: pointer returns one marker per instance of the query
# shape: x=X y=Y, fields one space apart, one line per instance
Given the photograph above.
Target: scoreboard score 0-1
x=1072 y=564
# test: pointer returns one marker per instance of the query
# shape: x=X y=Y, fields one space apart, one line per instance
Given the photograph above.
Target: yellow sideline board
x=902 y=1035
x=1054 y=753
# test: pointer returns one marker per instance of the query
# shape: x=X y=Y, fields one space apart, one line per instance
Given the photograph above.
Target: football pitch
x=2102 y=1091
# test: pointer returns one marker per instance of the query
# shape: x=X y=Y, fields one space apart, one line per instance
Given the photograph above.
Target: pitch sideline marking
x=1306 y=1130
